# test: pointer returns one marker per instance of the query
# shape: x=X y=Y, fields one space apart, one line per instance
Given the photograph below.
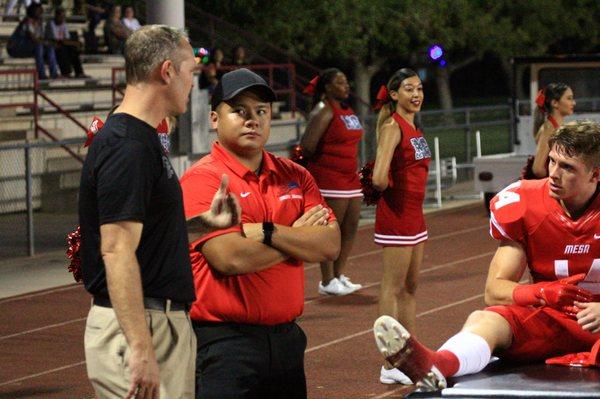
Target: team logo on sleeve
x=351 y=122
x=421 y=148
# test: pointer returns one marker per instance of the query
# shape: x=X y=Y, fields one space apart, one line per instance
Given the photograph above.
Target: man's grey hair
x=149 y=47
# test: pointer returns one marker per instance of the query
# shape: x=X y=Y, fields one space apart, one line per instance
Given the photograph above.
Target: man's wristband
x=268 y=228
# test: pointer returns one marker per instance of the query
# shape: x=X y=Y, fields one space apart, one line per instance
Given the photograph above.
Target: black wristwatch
x=268 y=228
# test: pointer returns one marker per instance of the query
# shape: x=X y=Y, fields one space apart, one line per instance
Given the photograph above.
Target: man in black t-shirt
x=134 y=241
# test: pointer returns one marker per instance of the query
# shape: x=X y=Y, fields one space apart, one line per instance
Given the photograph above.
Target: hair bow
x=540 y=100
x=312 y=86
x=162 y=127
x=381 y=98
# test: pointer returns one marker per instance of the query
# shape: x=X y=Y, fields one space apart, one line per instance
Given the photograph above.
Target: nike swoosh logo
x=597 y=236
x=247 y=193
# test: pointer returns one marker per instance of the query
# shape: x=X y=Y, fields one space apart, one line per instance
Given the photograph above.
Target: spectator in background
x=210 y=73
x=28 y=41
x=10 y=6
x=239 y=56
x=217 y=58
x=67 y=49
x=130 y=21
x=115 y=33
x=209 y=78
x=97 y=11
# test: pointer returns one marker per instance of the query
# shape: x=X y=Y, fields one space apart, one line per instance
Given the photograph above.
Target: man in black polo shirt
x=134 y=240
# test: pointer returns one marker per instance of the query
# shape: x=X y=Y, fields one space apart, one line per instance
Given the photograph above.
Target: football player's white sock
x=472 y=351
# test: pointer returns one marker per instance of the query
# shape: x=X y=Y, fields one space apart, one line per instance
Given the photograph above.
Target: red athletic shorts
x=399 y=219
x=335 y=184
x=540 y=333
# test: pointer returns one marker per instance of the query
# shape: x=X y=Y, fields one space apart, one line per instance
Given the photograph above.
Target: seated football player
x=551 y=227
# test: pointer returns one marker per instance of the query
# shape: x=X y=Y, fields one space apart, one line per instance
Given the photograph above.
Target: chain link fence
x=39 y=182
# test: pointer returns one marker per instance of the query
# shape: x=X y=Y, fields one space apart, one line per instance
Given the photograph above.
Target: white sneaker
x=393 y=376
x=346 y=281
x=334 y=287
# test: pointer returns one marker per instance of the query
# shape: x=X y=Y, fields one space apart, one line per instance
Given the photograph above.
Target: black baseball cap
x=234 y=82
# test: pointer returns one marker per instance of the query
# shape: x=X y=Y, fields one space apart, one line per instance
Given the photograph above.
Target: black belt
x=275 y=328
x=149 y=303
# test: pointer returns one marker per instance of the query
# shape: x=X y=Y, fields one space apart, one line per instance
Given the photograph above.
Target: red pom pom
x=370 y=194
x=73 y=253
x=297 y=155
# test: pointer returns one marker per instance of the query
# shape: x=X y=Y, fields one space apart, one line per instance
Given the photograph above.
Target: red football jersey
x=410 y=163
x=556 y=245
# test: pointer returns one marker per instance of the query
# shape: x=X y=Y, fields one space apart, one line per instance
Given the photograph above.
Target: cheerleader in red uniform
x=330 y=145
x=554 y=103
x=400 y=173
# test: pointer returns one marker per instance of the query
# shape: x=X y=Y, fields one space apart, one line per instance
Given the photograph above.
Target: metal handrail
x=34 y=106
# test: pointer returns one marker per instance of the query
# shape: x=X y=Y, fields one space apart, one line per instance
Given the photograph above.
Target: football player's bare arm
x=506 y=269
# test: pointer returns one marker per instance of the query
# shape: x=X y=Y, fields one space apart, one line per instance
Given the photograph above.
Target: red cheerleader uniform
x=334 y=165
x=399 y=219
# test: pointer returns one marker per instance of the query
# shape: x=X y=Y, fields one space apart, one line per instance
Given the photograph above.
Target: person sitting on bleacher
x=28 y=41
x=130 y=21
x=67 y=49
x=97 y=10
x=9 y=7
x=115 y=33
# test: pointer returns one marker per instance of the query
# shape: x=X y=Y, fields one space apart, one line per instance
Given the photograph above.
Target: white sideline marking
x=370 y=330
x=35 y=294
x=64 y=323
x=432 y=268
x=314 y=348
x=454 y=233
x=429 y=269
x=27 y=377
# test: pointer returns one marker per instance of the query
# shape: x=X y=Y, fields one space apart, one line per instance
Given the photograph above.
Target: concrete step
x=65 y=98
x=8 y=27
x=96 y=66
x=63 y=127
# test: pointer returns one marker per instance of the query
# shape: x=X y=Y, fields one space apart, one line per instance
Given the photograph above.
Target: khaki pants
x=107 y=353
